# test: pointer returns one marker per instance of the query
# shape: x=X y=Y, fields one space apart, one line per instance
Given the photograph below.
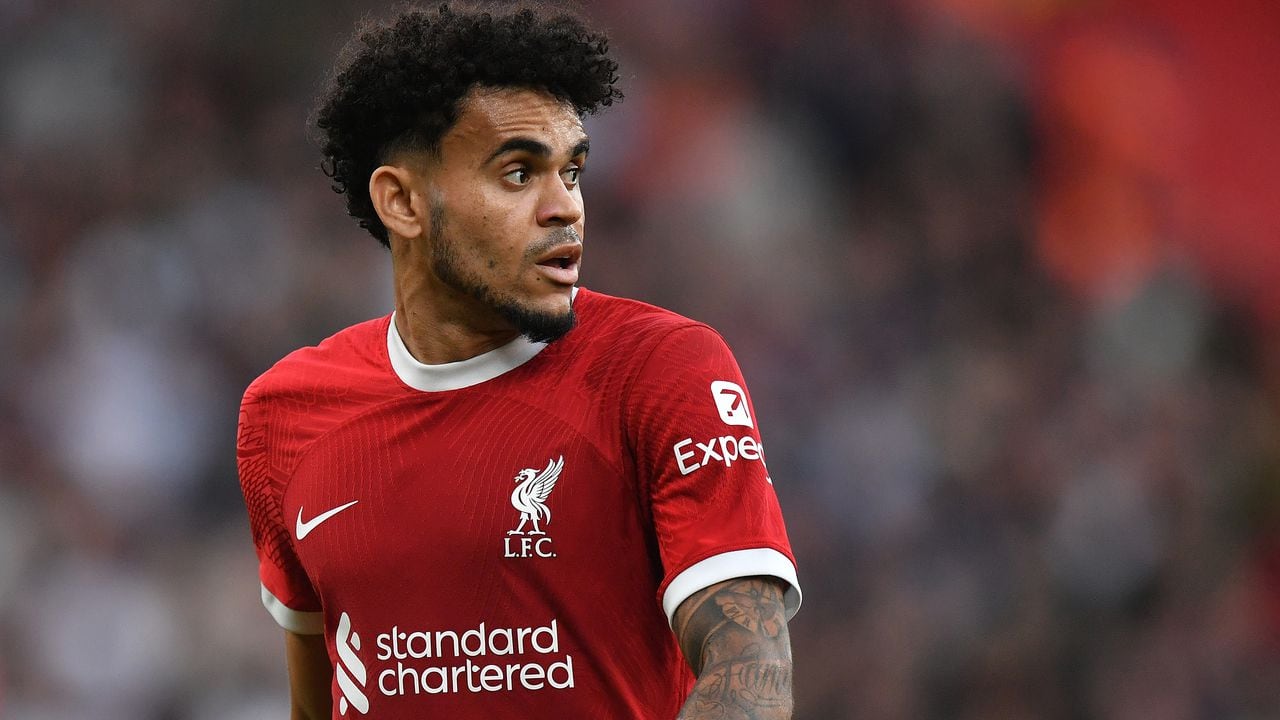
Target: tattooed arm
x=734 y=636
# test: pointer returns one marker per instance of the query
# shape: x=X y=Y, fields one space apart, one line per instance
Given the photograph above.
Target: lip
x=560 y=264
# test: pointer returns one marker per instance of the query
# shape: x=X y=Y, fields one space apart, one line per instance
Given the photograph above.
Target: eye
x=572 y=175
x=519 y=176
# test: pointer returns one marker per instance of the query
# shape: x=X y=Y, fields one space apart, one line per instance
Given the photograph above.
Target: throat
x=433 y=342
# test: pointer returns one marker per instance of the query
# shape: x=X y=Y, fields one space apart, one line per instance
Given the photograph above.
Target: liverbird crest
x=530 y=496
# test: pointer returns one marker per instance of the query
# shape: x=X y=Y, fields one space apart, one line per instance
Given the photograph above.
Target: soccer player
x=512 y=497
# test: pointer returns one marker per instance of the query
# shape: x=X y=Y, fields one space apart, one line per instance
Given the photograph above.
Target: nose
x=558 y=206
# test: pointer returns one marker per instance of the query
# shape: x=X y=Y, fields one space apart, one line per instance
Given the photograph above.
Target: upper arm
x=264 y=448
x=734 y=637
x=696 y=443
x=310 y=677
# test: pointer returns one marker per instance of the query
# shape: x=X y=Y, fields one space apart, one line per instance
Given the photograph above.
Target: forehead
x=491 y=116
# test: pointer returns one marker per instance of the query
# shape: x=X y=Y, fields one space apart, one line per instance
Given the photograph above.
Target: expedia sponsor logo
x=731 y=402
x=692 y=455
x=482 y=659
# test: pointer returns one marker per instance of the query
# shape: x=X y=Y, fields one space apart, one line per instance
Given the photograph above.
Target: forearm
x=755 y=689
x=734 y=636
x=310 y=676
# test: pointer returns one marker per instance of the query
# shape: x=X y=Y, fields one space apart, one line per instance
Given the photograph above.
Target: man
x=512 y=497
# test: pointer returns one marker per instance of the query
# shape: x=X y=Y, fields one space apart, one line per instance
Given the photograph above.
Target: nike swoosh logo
x=304 y=528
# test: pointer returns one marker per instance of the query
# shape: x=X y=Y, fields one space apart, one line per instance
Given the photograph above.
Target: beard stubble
x=536 y=325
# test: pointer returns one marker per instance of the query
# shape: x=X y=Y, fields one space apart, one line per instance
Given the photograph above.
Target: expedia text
x=727 y=449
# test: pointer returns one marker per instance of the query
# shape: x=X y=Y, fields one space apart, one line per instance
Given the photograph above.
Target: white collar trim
x=456 y=375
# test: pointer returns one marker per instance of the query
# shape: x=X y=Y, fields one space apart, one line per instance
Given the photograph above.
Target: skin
x=734 y=637
x=496 y=212
x=468 y=228
x=310 y=677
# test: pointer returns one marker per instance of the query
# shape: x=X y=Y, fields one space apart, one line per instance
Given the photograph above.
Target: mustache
x=554 y=238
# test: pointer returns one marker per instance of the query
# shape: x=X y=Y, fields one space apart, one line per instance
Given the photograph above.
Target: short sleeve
x=286 y=591
x=697 y=445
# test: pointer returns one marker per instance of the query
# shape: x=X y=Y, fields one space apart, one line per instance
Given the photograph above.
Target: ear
x=394 y=199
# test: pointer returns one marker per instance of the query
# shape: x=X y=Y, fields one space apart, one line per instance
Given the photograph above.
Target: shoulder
x=345 y=359
x=613 y=323
x=635 y=334
x=640 y=353
x=315 y=388
x=598 y=308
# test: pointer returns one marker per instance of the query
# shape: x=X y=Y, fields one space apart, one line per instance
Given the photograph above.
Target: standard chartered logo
x=350 y=670
x=433 y=662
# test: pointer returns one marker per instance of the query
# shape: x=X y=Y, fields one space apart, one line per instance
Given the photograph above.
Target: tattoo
x=734 y=636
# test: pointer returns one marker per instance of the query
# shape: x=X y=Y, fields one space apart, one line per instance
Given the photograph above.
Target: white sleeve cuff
x=296 y=621
x=734 y=564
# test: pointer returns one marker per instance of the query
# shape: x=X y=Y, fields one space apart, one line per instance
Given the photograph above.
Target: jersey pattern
x=508 y=536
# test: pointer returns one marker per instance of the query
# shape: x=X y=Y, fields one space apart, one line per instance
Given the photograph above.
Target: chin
x=541 y=322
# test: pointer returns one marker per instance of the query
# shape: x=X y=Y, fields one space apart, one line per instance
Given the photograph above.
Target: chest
x=483 y=495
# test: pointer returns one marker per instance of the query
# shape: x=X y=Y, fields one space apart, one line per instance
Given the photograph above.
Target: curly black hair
x=398 y=85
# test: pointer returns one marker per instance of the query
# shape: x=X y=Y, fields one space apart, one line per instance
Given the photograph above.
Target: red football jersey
x=509 y=535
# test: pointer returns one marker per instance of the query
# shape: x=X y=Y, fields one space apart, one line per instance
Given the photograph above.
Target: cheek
x=483 y=232
x=495 y=233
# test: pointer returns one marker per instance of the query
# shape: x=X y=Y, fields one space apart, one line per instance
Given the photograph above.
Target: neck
x=434 y=341
x=437 y=323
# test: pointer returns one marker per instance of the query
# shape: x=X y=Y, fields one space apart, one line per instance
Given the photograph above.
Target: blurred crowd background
x=1003 y=276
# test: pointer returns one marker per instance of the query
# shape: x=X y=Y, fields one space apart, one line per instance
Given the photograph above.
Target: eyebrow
x=535 y=147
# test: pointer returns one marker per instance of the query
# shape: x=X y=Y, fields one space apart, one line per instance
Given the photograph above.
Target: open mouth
x=560 y=265
x=565 y=257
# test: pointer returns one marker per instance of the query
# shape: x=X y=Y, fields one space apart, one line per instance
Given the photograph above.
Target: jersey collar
x=461 y=374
